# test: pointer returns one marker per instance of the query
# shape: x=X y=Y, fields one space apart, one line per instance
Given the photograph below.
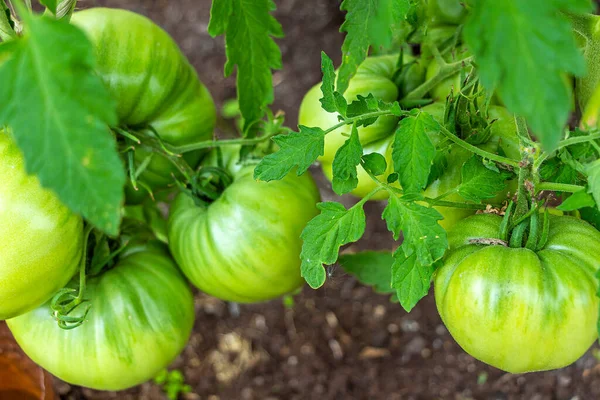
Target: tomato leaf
x=368 y=22
x=536 y=34
x=58 y=111
x=346 y=160
x=410 y=278
x=576 y=201
x=374 y=163
x=249 y=30
x=423 y=236
x=365 y=105
x=332 y=100
x=413 y=152
x=50 y=5
x=593 y=173
x=371 y=268
x=479 y=182
x=325 y=234
x=296 y=149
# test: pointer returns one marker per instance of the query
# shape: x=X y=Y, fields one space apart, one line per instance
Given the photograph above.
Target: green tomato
x=41 y=238
x=446 y=11
x=152 y=82
x=141 y=316
x=245 y=246
x=516 y=309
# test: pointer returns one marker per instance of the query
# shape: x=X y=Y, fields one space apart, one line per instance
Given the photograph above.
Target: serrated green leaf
x=299 y=149
x=345 y=162
x=332 y=100
x=249 y=30
x=593 y=173
x=364 y=105
x=371 y=268
x=480 y=183
x=324 y=235
x=374 y=163
x=58 y=111
x=50 y=5
x=410 y=279
x=535 y=33
x=422 y=234
x=576 y=201
x=368 y=22
x=413 y=151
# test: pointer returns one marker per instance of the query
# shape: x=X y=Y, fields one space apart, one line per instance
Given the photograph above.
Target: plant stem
x=564 y=143
x=558 y=187
x=525 y=171
x=477 y=150
x=216 y=143
x=445 y=71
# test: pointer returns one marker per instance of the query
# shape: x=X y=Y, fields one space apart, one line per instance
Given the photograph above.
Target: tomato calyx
x=207 y=184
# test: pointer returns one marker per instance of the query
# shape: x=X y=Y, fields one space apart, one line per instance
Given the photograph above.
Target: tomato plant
x=486 y=293
x=141 y=313
x=97 y=100
x=41 y=237
x=245 y=245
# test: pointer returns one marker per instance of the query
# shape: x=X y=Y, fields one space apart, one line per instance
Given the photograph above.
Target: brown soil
x=342 y=341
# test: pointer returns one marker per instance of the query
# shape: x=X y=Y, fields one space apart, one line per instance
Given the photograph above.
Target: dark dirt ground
x=342 y=341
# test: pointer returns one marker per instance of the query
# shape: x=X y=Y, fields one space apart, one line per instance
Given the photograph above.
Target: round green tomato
x=446 y=11
x=152 y=82
x=516 y=309
x=41 y=239
x=141 y=316
x=245 y=246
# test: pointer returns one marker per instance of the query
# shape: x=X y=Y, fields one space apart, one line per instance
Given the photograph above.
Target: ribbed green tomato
x=245 y=246
x=41 y=239
x=152 y=82
x=141 y=316
x=516 y=309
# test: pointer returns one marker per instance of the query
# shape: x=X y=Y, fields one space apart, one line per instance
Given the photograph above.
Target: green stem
x=216 y=143
x=584 y=24
x=565 y=143
x=558 y=187
x=445 y=71
x=525 y=170
x=477 y=150
x=6 y=31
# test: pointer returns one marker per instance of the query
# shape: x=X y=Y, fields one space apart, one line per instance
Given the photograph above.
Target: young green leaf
x=591 y=215
x=576 y=201
x=325 y=234
x=371 y=268
x=480 y=183
x=539 y=37
x=374 y=163
x=249 y=29
x=58 y=111
x=593 y=173
x=345 y=162
x=423 y=236
x=332 y=100
x=368 y=22
x=413 y=152
x=365 y=105
x=296 y=149
x=410 y=278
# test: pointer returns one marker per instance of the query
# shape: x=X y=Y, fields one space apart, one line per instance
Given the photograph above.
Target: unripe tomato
x=41 y=238
x=517 y=309
x=151 y=80
x=141 y=316
x=446 y=11
x=245 y=246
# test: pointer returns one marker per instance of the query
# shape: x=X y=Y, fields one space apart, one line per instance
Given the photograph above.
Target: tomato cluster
x=136 y=312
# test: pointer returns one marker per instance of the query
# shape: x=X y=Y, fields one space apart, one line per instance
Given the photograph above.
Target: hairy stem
x=558 y=187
